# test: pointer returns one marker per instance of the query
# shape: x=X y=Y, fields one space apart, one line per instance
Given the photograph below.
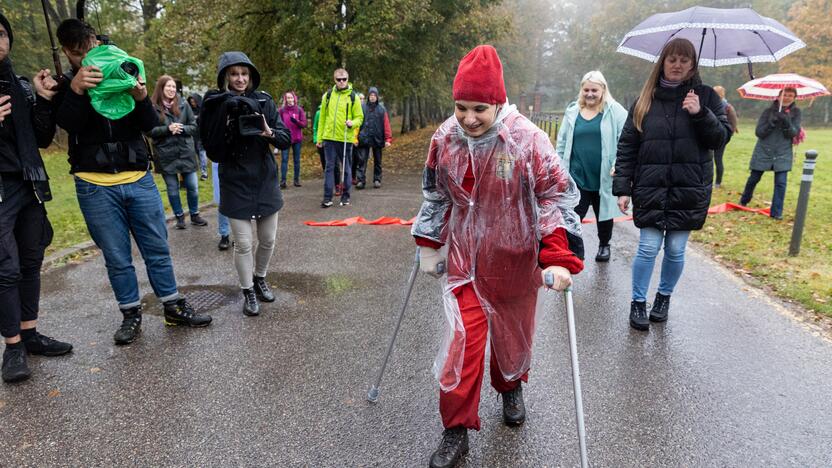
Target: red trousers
x=460 y=406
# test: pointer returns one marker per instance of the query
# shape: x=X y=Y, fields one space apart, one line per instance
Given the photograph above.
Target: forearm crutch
x=576 y=373
x=372 y=394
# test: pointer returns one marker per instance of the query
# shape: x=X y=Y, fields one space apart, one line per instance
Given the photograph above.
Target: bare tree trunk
x=413 y=114
x=422 y=122
x=406 y=116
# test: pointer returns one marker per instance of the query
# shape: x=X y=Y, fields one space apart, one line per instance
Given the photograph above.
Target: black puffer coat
x=667 y=169
x=249 y=186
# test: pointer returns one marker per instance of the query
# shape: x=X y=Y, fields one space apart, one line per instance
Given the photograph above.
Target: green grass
x=757 y=246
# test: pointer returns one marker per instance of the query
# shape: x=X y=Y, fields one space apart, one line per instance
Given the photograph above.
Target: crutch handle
x=440 y=268
x=549 y=280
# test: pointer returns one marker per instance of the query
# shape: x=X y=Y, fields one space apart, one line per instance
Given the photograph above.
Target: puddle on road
x=297 y=285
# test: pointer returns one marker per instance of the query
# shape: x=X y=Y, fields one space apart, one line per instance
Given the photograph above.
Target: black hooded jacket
x=249 y=186
x=30 y=126
x=667 y=168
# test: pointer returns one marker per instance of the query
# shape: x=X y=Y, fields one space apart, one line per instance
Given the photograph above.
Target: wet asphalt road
x=731 y=380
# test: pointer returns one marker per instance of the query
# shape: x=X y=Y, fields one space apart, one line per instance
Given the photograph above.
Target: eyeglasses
x=341 y=79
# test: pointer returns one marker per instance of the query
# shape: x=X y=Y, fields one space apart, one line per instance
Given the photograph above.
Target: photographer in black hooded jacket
x=237 y=124
x=25 y=124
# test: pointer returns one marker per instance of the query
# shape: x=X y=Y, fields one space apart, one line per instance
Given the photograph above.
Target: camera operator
x=116 y=193
x=237 y=124
x=25 y=232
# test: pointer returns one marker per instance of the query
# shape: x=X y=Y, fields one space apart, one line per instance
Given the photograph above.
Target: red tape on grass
x=390 y=221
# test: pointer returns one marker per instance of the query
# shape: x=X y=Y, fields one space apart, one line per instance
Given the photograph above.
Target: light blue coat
x=612 y=121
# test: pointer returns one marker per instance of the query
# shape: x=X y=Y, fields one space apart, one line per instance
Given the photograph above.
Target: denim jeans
x=284 y=163
x=112 y=214
x=191 y=189
x=777 y=198
x=334 y=151
x=223 y=228
x=203 y=161
x=673 y=262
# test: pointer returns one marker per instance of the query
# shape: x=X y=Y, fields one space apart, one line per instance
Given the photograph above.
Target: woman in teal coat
x=587 y=144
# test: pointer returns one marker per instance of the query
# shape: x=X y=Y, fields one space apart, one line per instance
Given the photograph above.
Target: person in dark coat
x=731 y=114
x=26 y=123
x=195 y=101
x=776 y=130
x=249 y=191
x=173 y=140
x=375 y=134
x=664 y=165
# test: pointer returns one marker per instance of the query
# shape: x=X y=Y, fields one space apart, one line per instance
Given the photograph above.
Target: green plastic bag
x=111 y=98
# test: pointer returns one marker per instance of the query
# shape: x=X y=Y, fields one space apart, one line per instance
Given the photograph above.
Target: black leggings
x=720 y=168
x=589 y=198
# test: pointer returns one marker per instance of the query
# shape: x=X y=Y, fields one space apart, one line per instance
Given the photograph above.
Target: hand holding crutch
x=373 y=393
x=549 y=280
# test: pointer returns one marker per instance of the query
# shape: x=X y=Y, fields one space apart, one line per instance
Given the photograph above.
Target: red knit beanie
x=480 y=77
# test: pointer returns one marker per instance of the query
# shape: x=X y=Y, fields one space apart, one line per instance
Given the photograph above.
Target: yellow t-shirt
x=107 y=180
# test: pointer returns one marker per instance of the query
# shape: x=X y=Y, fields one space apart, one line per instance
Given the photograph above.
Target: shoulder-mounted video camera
x=244 y=117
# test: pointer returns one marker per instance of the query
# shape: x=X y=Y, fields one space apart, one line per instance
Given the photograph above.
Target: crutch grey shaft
x=576 y=373
x=372 y=394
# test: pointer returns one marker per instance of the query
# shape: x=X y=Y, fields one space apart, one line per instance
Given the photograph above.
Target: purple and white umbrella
x=724 y=36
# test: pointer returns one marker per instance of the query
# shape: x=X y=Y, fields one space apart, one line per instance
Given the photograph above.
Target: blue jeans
x=203 y=161
x=191 y=188
x=334 y=151
x=223 y=228
x=777 y=198
x=284 y=163
x=673 y=262
x=112 y=214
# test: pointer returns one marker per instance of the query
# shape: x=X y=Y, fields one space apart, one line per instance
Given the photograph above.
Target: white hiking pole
x=372 y=394
x=344 y=157
x=576 y=373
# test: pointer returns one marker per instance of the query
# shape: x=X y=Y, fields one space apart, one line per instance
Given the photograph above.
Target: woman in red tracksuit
x=498 y=204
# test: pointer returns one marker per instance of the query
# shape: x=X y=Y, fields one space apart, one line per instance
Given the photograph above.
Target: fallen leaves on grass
x=95 y=370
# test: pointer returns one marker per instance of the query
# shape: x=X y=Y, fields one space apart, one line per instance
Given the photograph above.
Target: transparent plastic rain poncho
x=491 y=237
x=111 y=98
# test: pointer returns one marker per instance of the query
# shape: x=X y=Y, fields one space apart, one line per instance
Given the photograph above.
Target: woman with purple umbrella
x=664 y=164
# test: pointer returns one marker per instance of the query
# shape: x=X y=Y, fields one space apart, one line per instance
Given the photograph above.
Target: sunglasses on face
x=340 y=79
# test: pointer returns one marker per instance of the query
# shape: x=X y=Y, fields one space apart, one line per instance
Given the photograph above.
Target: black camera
x=131 y=69
x=5 y=87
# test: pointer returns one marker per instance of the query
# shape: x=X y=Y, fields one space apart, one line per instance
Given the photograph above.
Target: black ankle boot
x=638 y=316
x=603 y=254
x=453 y=447
x=131 y=326
x=43 y=345
x=251 y=307
x=660 y=309
x=15 y=365
x=180 y=312
x=514 y=410
x=261 y=289
x=180 y=221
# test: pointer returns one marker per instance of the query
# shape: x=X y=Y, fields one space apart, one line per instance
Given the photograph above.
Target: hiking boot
x=453 y=447
x=180 y=221
x=204 y=176
x=225 y=242
x=261 y=289
x=198 y=220
x=131 y=326
x=338 y=190
x=514 y=410
x=180 y=312
x=15 y=367
x=603 y=254
x=345 y=202
x=377 y=184
x=359 y=186
x=638 y=315
x=251 y=307
x=660 y=309
x=45 y=346
x=283 y=185
x=297 y=183
x=326 y=203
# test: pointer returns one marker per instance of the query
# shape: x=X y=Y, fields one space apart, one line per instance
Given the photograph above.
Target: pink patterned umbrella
x=768 y=87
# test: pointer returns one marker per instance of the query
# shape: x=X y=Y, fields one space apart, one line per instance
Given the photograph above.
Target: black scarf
x=27 y=145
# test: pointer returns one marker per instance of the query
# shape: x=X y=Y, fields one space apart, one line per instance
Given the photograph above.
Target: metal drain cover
x=204 y=300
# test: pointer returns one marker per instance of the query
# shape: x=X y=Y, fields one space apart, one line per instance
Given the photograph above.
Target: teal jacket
x=612 y=122
x=335 y=112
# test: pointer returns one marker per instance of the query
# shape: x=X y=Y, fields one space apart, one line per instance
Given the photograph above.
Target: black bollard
x=803 y=202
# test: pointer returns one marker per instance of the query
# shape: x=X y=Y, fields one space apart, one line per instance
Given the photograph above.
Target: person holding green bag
x=116 y=192
x=121 y=73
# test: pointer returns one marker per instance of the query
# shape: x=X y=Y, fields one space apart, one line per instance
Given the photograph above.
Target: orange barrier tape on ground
x=387 y=221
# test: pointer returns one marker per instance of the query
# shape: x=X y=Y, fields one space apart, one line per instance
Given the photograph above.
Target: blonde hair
x=596 y=77
x=676 y=46
x=227 y=78
x=720 y=90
